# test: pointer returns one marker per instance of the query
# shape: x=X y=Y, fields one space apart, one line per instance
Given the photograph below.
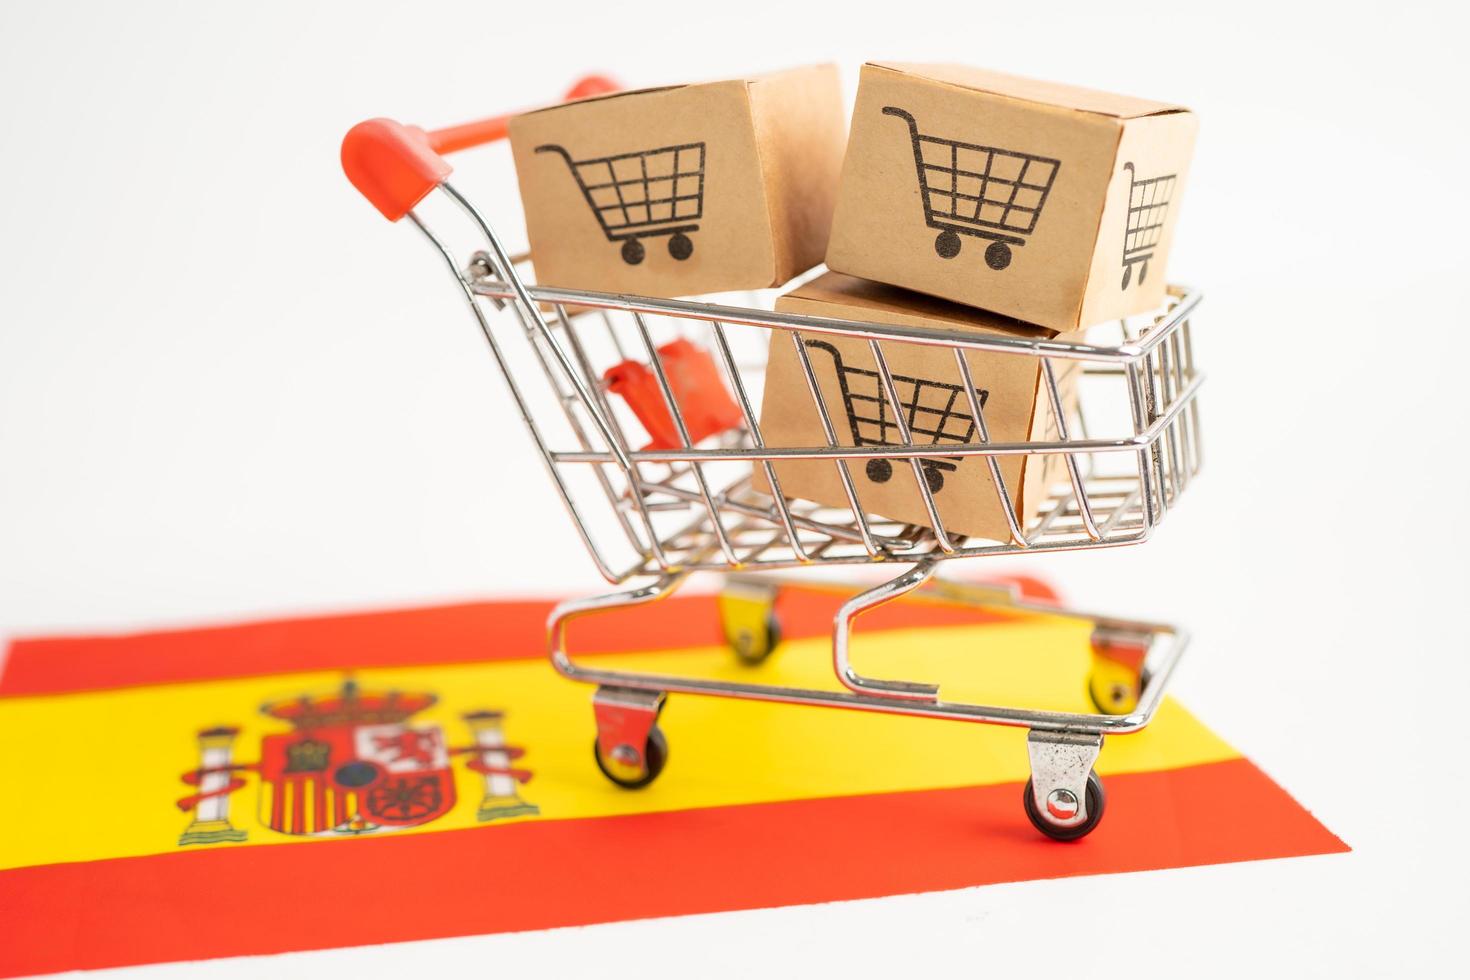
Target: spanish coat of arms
x=352 y=764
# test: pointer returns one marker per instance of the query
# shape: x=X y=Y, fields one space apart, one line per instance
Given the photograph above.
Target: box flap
x=1034 y=90
x=892 y=304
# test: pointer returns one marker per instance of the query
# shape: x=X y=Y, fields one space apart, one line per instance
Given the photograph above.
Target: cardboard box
x=1010 y=387
x=683 y=190
x=1052 y=204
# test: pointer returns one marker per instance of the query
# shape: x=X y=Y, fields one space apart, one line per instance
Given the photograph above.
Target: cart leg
x=569 y=610
x=1064 y=797
x=748 y=617
x=842 y=635
x=630 y=749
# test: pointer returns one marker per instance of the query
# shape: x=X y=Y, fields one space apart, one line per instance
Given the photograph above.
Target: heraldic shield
x=352 y=764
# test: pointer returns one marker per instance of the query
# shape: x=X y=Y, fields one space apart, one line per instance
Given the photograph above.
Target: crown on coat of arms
x=350 y=706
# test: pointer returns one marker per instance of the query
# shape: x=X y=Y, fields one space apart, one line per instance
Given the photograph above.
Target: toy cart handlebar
x=395 y=166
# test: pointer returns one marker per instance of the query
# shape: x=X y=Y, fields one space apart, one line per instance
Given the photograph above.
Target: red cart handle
x=395 y=166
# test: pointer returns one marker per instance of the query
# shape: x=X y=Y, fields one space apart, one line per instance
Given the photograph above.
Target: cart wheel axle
x=748 y=619
x=753 y=646
x=1113 y=694
x=634 y=770
x=1119 y=673
x=1064 y=799
x=1061 y=804
x=629 y=748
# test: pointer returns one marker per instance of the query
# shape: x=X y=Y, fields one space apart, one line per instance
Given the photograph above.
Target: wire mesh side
x=705 y=512
x=696 y=503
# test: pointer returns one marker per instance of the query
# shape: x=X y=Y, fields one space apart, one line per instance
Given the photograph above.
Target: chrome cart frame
x=671 y=512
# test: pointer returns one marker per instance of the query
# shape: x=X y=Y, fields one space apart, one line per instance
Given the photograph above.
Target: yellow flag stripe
x=95 y=775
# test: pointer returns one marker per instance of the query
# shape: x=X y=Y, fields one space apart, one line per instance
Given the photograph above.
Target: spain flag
x=281 y=786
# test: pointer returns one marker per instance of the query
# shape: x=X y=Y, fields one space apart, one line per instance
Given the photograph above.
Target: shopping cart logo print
x=644 y=194
x=1148 y=207
x=934 y=412
x=982 y=191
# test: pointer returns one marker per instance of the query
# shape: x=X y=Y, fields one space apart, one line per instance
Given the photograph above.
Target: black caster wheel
x=879 y=470
x=934 y=476
x=681 y=246
x=754 y=647
x=998 y=255
x=636 y=775
x=1142 y=273
x=1128 y=275
x=633 y=251
x=1115 y=695
x=947 y=244
x=1096 y=801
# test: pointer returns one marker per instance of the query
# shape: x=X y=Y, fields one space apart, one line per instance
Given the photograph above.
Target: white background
x=228 y=388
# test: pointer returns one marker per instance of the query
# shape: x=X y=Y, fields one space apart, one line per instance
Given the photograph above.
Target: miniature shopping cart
x=930 y=411
x=651 y=517
x=643 y=195
x=983 y=191
x=1148 y=206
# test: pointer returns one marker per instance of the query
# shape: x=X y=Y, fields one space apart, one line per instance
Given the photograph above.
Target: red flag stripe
x=549 y=873
x=474 y=632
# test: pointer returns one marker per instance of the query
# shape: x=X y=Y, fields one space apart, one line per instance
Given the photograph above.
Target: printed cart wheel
x=681 y=247
x=633 y=251
x=934 y=476
x=753 y=646
x=1142 y=273
x=998 y=255
x=879 y=470
x=1096 y=801
x=947 y=244
x=636 y=776
x=1127 y=275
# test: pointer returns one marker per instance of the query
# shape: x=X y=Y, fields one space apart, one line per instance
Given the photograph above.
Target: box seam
x=777 y=263
x=1097 y=232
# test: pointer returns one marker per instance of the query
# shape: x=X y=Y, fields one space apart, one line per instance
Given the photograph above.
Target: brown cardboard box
x=683 y=190
x=1014 y=403
x=1052 y=204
